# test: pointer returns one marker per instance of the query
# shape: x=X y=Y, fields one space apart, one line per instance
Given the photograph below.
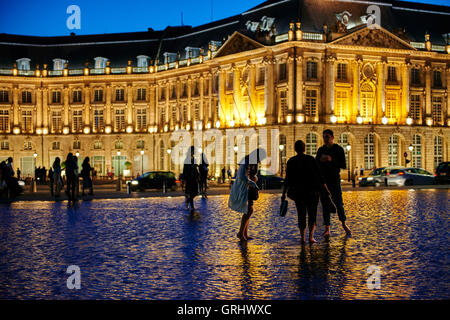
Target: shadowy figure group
x=9 y=185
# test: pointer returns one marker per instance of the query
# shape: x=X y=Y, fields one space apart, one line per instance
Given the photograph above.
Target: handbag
x=283 y=208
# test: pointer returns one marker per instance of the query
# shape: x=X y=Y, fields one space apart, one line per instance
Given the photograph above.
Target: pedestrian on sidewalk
x=331 y=159
x=50 y=179
x=203 y=169
x=244 y=190
x=223 y=175
x=86 y=175
x=191 y=177
x=57 y=179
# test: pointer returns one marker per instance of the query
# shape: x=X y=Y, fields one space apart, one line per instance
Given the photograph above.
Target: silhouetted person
x=331 y=159
x=203 y=170
x=57 y=179
x=50 y=179
x=303 y=184
x=71 y=176
x=86 y=175
x=18 y=172
x=191 y=177
x=223 y=175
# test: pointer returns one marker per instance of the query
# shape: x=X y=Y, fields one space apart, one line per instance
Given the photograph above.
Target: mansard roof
x=262 y=23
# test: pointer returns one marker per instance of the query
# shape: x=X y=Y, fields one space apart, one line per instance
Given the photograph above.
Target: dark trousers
x=307 y=204
x=71 y=188
x=336 y=195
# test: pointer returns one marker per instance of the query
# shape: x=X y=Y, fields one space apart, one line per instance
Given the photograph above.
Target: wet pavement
x=154 y=249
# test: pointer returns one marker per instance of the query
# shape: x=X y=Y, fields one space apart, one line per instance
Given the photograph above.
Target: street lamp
x=142 y=161
x=348 y=147
x=118 y=160
x=281 y=147
x=169 y=151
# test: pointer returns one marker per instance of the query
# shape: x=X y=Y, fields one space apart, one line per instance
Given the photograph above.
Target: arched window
x=393 y=148
x=369 y=151
x=438 y=155
x=311 y=144
x=367 y=101
x=417 y=151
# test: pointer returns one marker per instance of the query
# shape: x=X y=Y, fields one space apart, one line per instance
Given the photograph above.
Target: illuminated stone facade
x=381 y=94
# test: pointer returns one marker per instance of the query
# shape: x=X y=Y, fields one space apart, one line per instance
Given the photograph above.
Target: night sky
x=48 y=18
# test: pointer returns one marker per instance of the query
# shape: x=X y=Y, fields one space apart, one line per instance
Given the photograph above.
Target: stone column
x=108 y=115
x=87 y=105
x=130 y=106
x=220 y=93
x=66 y=97
x=356 y=89
x=291 y=85
x=16 y=107
x=269 y=91
x=330 y=86
x=238 y=113
x=44 y=115
x=252 y=92
x=427 y=114
x=447 y=110
x=404 y=112
x=299 y=87
x=152 y=98
x=380 y=109
x=39 y=107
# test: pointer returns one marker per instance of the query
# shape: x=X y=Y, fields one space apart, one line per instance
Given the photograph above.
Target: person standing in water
x=191 y=179
x=331 y=159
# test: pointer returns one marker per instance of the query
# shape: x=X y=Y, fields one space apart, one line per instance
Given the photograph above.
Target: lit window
x=311 y=70
x=342 y=71
x=369 y=151
x=417 y=151
x=311 y=103
x=23 y=64
x=438 y=150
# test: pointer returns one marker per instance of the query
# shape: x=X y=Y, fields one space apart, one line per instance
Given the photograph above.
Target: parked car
x=373 y=179
x=409 y=177
x=442 y=173
x=268 y=180
x=154 y=180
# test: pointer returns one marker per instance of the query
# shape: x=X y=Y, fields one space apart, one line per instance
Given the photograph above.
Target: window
x=77 y=145
x=26 y=96
x=282 y=72
x=215 y=85
x=437 y=109
x=4 y=120
x=369 y=151
x=162 y=93
x=414 y=107
x=98 y=120
x=311 y=70
x=311 y=103
x=197 y=111
x=58 y=64
x=392 y=74
x=185 y=91
x=118 y=145
x=140 y=144
x=142 y=61
x=27 y=120
x=367 y=101
x=5 y=145
x=56 y=96
x=98 y=145
x=230 y=79
x=77 y=120
x=415 y=76
x=4 y=96
x=23 y=64
x=174 y=112
x=283 y=105
x=342 y=71
x=341 y=103
x=391 y=105
x=56 y=120
x=417 y=151
x=98 y=163
x=311 y=144
x=27 y=166
x=437 y=80
x=185 y=113
x=195 y=91
x=261 y=76
x=56 y=145
x=77 y=96
x=141 y=119
x=98 y=95
x=438 y=155
x=174 y=92
x=119 y=120
x=393 y=150
x=141 y=94
x=100 y=62
x=162 y=114
x=120 y=94
x=27 y=145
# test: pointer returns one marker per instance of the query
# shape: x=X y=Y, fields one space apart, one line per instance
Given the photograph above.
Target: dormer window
x=23 y=64
x=58 y=64
x=192 y=52
x=169 y=57
x=100 y=62
x=142 y=61
x=215 y=45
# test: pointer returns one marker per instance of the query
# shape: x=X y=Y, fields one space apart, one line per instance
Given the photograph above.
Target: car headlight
x=21 y=183
x=134 y=183
x=369 y=178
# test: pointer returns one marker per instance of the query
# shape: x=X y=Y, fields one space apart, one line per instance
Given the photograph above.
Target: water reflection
x=154 y=249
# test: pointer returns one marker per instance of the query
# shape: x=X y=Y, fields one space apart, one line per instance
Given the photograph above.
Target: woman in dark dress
x=191 y=177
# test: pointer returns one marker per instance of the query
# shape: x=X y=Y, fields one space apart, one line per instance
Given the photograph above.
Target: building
x=376 y=73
